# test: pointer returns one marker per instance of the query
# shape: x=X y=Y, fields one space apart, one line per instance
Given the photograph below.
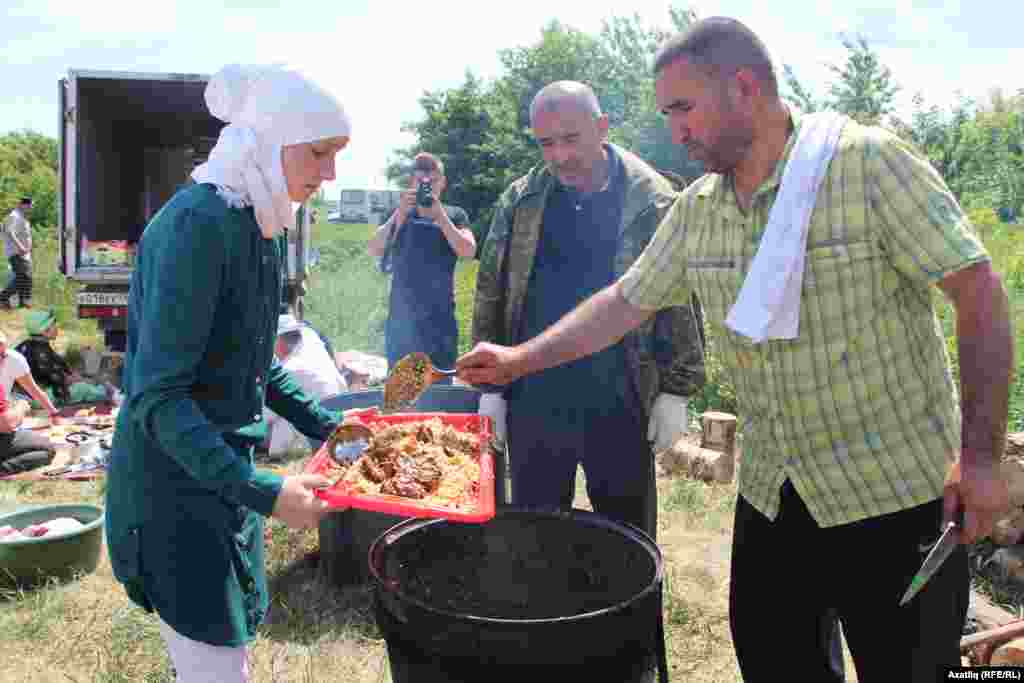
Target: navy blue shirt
x=575 y=259
x=422 y=263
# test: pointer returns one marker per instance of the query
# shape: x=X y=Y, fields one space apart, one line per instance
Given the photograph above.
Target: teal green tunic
x=184 y=503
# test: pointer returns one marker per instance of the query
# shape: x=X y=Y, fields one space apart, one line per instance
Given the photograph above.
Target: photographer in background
x=419 y=245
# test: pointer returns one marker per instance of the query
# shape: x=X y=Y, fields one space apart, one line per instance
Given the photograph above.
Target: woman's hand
x=296 y=505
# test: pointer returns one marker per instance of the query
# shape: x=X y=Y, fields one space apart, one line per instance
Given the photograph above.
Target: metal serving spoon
x=348 y=441
x=411 y=376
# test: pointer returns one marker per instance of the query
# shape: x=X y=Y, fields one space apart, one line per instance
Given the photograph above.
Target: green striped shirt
x=859 y=411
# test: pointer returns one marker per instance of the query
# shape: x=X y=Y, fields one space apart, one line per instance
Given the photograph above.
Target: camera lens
x=424 y=196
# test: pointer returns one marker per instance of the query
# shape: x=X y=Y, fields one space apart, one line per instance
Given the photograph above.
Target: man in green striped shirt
x=854 y=450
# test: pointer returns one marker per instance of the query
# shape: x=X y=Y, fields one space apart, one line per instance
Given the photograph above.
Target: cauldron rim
x=411 y=525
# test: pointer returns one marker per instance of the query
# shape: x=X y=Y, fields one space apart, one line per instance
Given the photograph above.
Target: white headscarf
x=266 y=108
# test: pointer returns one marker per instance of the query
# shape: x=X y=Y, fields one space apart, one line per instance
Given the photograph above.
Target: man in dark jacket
x=565 y=230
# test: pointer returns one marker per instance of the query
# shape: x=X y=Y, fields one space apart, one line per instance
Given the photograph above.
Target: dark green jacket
x=665 y=354
x=184 y=502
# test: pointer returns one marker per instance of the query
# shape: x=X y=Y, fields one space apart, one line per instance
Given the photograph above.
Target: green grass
x=348 y=295
x=51 y=290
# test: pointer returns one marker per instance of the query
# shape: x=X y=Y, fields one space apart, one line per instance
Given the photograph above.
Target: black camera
x=425 y=193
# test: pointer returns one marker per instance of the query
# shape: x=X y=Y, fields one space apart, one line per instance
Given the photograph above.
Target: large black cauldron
x=530 y=596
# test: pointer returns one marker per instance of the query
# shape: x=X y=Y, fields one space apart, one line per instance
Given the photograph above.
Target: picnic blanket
x=81 y=422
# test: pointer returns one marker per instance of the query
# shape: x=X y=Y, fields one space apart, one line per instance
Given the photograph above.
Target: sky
x=379 y=57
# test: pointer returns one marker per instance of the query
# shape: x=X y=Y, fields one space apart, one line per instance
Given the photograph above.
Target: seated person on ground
x=20 y=449
x=52 y=372
x=301 y=351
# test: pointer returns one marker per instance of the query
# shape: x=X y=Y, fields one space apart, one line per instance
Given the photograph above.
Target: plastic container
x=32 y=561
x=438 y=398
x=346 y=536
x=408 y=507
x=531 y=595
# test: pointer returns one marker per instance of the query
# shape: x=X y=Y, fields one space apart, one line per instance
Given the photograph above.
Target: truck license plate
x=103 y=298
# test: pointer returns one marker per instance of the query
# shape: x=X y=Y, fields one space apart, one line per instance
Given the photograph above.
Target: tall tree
x=865 y=89
x=563 y=53
x=482 y=131
x=631 y=48
x=992 y=173
x=475 y=132
x=797 y=93
x=28 y=166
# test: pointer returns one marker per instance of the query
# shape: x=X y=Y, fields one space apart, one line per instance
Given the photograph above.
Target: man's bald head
x=565 y=94
x=571 y=130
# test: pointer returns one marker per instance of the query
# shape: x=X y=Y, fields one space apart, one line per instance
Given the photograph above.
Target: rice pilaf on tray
x=425 y=461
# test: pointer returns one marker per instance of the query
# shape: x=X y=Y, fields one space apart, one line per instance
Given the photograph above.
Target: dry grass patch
x=88 y=630
x=694 y=534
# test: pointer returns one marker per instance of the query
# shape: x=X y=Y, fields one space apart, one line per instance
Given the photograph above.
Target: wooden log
x=1009 y=563
x=989 y=618
x=1015 y=445
x=1013 y=472
x=704 y=464
x=1009 y=654
x=1010 y=529
x=983 y=643
x=718 y=432
x=986 y=614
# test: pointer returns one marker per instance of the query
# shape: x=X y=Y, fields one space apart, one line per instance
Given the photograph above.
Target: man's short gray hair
x=562 y=94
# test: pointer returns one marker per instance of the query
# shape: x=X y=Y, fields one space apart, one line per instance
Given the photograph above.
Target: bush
x=718 y=392
x=1005 y=243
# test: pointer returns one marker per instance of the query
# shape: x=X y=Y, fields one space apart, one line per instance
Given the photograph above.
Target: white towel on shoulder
x=768 y=305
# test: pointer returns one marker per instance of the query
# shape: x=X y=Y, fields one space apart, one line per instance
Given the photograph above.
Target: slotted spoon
x=411 y=376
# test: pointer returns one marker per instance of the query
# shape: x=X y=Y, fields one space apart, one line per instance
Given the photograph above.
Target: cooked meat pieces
x=403 y=485
x=414 y=459
x=388 y=435
x=425 y=434
x=458 y=441
x=425 y=471
x=373 y=471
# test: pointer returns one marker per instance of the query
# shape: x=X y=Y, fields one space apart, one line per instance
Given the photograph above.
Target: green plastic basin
x=32 y=561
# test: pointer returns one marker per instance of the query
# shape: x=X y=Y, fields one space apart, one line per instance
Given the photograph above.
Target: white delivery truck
x=128 y=141
x=365 y=206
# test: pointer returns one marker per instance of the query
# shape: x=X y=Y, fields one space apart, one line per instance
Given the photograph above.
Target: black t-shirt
x=422 y=264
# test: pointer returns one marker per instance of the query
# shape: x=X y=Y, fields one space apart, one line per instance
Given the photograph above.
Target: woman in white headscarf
x=185 y=504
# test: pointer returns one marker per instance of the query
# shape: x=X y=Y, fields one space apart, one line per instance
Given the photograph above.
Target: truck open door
x=66 y=164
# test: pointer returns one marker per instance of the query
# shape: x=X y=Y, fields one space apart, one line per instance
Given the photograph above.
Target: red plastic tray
x=407 y=507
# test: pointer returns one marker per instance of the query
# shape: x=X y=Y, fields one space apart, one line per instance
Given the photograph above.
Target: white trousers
x=196 y=662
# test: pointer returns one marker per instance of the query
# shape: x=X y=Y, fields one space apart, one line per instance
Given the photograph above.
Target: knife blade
x=942 y=549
